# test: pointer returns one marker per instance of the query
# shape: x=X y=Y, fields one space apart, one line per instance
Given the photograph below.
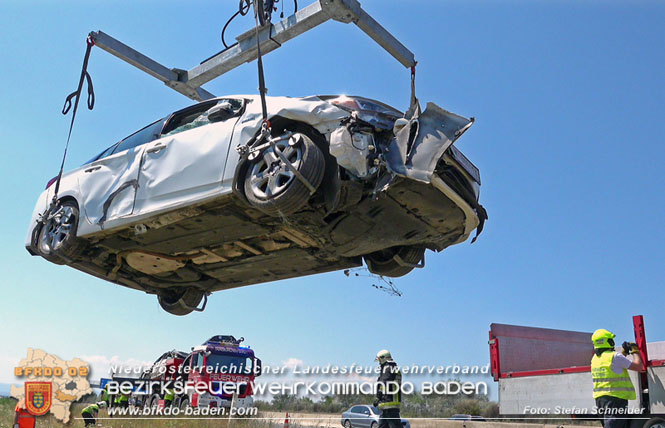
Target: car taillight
x=51 y=181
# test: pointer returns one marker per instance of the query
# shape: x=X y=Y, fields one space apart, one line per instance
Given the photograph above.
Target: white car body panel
x=187 y=166
x=196 y=165
x=111 y=179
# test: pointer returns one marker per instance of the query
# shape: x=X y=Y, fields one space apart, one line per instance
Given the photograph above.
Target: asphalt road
x=334 y=421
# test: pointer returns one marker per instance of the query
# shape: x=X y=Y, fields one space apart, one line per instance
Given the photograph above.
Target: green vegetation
x=7 y=406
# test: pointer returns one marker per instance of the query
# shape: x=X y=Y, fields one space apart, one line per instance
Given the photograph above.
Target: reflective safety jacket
x=170 y=395
x=389 y=390
x=606 y=382
x=91 y=410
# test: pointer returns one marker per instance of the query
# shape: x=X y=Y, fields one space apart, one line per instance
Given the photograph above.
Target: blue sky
x=569 y=102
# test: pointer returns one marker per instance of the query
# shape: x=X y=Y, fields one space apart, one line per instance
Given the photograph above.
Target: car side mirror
x=220 y=112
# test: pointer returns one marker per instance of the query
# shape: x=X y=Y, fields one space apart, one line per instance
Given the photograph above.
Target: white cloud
x=292 y=363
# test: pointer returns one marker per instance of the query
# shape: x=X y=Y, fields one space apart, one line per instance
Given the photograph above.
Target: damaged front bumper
x=418 y=146
x=417 y=149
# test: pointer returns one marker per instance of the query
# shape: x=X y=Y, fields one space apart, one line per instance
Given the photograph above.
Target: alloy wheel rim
x=58 y=229
x=270 y=176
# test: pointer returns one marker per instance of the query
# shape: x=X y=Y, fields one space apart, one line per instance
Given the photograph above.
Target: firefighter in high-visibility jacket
x=169 y=397
x=104 y=395
x=121 y=400
x=389 y=391
x=91 y=413
x=612 y=387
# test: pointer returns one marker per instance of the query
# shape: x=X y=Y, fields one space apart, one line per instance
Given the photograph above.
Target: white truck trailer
x=542 y=371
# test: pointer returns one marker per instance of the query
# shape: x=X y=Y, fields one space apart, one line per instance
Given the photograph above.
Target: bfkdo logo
x=38 y=397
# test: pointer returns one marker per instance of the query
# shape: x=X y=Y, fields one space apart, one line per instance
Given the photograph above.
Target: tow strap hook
x=254 y=152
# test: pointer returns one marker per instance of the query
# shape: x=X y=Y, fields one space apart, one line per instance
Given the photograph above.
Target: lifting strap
x=262 y=82
x=76 y=95
x=414 y=105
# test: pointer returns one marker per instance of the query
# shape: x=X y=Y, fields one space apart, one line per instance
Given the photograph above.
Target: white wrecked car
x=196 y=202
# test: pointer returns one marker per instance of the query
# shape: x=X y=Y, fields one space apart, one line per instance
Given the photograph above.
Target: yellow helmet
x=602 y=338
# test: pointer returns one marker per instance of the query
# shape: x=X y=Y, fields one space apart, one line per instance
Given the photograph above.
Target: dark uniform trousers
x=390 y=419
x=614 y=411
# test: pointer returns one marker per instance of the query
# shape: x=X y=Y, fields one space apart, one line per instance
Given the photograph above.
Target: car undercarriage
x=224 y=244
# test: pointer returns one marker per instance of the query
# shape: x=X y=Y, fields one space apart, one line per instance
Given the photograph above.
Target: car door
x=357 y=417
x=367 y=416
x=187 y=162
x=108 y=185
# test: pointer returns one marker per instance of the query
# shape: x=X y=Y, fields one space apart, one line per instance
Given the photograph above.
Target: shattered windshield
x=199 y=115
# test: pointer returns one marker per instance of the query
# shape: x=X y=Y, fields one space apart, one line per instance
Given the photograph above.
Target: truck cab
x=228 y=368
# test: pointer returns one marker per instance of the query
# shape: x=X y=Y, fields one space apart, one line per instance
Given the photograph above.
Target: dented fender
x=418 y=146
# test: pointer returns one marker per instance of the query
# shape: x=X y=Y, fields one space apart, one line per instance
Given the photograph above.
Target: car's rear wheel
x=347 y=424
x=655 y=423
x=57 y=241
x=396 y=261
x=272 y=187
x=374 y=425
x=180 y=302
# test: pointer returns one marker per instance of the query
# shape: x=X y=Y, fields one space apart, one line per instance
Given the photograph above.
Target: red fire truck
x=218 y=373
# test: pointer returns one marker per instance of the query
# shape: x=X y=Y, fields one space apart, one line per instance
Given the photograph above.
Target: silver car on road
x=364 y=416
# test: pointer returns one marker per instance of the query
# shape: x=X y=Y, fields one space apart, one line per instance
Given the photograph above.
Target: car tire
x=271 y=187
x=374 y=425
x=386 y=263
x=57 y=241
x=347 y=424
x=154 y=401
x=180 y=302
x=655 y=423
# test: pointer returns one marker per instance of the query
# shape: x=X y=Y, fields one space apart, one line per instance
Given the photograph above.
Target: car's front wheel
x=396 y=261
x=374 y=425
x=57 y=241
x=273 y=187
x=181 y=302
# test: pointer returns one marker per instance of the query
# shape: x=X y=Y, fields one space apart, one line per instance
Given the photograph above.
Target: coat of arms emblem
x=38 y=397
